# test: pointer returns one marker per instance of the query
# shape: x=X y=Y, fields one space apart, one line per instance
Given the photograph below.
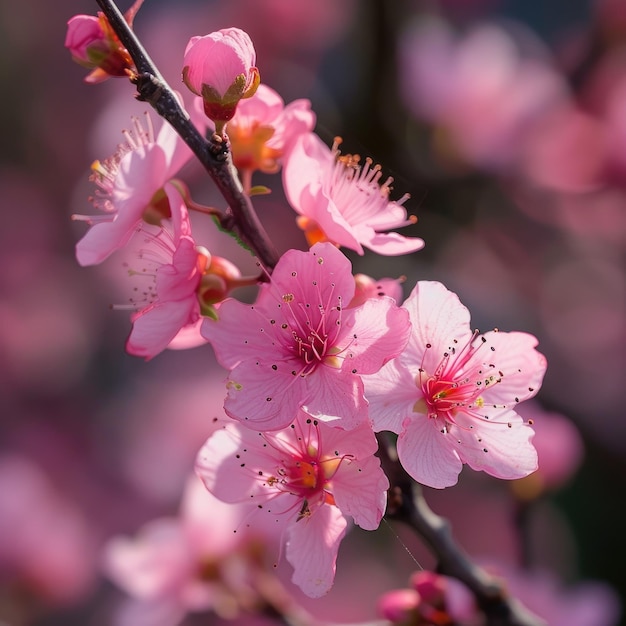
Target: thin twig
x=214 y=155
x=407 y=504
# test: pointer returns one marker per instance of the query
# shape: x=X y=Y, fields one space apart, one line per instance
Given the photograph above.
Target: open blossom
x=130 y=189
x=450 y=394
x=178 y=565
x=173 y=266
x=221 y=67
x=300 y=345
x=341 y=200
x=306 y=479
x=263 y=129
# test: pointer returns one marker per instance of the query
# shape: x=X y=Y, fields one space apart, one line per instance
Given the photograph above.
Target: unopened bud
x=220 y=67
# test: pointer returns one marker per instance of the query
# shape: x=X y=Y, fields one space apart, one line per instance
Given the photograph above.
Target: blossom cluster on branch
x=341 y=396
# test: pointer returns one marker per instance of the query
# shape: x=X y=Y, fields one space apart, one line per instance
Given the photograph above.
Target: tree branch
x=407 y=504
x=214 y=155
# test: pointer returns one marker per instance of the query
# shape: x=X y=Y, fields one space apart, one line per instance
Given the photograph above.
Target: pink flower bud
x=399 y=605
x=84 y=32
x=220 y=67
x=93 y=44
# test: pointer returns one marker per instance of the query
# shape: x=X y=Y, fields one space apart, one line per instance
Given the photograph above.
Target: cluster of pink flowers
x=323 y=359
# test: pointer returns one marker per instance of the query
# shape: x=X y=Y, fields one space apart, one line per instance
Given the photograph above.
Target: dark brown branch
x=407 y=504
x=214 y=155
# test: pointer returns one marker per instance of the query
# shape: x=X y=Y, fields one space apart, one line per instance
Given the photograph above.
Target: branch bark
x=407 y=504
x=214 y=155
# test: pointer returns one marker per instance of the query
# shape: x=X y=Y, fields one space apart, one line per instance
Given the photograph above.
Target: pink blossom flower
x=307 y=479
x=130 y=189
x=174 y=267
x=342 y=201
x=300 y=346
x=450 y=394
x=177 y=565
x=220 y=67
x=263 y=129
x=94 y=45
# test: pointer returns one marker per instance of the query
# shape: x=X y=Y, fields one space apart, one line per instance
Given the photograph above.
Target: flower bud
x=219 y=277
x=220 y=67
x=399 y=606
x=92 y=42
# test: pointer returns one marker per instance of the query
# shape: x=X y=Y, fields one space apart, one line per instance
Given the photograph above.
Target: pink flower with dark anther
x=190 y=563
x=263 y=129
x=300 y=346
x=306 y=480
x=170 y=266
x=341 y=200
x=221 y=67
x=131 y=189
x=451 y=394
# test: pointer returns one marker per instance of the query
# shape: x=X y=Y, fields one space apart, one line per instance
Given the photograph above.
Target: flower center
x=444 y=397
x=457 y=384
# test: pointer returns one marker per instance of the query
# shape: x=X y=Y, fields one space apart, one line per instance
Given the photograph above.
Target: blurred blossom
x=193 y=562
x=47 y=329
x=586 y=603
x=559 y=447
x=481 y=91
x=566 y=150
x=161 y=439
x=46 y=548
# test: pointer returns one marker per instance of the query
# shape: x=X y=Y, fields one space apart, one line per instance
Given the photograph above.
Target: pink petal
x=335 y=396
x=312 y=549
x=523 y=367
x=147 y=566
x=229 y=472
x=382 y=330
x=154 y=327
x=314 y=203
x=427 y=454
x=360 y=490
x=501 y=447
x=180 y=279
x=391 y=394
x=236 y=336
x=437 y=317
x=392 y=244
x=261 y=397
x=317 y=276
x=303 y=166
